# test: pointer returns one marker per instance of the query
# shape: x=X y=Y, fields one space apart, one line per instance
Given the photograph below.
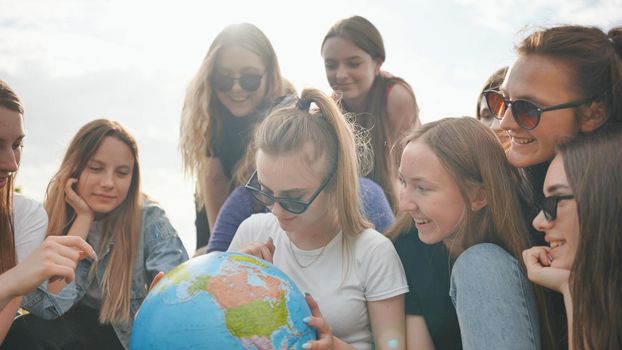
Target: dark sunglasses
x=549 y=205
x=293 y=206
x=526 y=113
x=248 y=81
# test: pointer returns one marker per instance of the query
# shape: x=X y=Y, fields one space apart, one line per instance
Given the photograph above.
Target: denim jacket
x=160 y=249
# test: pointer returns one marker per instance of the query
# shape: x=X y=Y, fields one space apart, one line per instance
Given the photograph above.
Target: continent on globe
x=223 y=301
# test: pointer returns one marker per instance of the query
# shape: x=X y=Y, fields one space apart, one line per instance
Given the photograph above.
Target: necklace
x=291 y=249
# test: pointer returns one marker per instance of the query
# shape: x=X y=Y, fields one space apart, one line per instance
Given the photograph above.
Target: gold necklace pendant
x=316 y=258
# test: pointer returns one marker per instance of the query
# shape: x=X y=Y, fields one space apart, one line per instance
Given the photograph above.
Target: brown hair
x=121 y=225
x=201 y=116
x=494 y=81
x=593 y=58
x=366 y=36
x=471 y=153
x=287 y=130
x=8 y=258
x=593 y=165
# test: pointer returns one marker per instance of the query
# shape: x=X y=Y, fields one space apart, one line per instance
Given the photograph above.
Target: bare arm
x=388 y=323
x=215 y=188
x=417 y=334
x=401 y=111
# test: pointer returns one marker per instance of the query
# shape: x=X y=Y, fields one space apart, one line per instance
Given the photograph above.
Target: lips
x=522 y=140
x=104 y=196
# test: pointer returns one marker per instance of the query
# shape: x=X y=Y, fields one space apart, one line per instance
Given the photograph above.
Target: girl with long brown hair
x=307 y=175
x=384 y=105
x=96 y=195
x=26 y=260
x=580 y=219
x=460 y=196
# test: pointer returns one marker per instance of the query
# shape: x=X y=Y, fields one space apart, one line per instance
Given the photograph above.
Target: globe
x=223 y=301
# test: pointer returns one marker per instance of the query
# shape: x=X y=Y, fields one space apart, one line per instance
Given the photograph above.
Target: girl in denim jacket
x=96 y=195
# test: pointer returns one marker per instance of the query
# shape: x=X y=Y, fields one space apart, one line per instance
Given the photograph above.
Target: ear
x=593 y=117
x=378 y=64
x=478 y=198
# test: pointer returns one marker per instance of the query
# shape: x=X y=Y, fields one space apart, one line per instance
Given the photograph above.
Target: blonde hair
x=201 y=116
x=121 y=225
x=288 y=129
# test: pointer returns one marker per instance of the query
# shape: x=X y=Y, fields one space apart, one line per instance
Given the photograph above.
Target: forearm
x=215 y=192
x=81 y=226
x=569 y=316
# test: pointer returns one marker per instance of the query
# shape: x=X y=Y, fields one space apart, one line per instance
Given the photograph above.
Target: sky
x=72 y=61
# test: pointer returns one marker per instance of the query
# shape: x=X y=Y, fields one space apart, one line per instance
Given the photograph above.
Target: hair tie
x=303 y=104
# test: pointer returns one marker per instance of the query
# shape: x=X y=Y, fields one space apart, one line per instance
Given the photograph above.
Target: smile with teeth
x=555 y=244
x=421 y=221
x=521 y=140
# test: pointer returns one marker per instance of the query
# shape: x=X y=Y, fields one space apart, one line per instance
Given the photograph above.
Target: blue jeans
x=494 y=301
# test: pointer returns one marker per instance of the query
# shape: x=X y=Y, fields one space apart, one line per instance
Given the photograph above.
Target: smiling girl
x=353 y=52
x=460 y=240
x=237 y=84
x=580 y=218
x=96 y=195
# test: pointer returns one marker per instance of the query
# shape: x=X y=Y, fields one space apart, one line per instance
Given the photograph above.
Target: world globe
x=223 y=301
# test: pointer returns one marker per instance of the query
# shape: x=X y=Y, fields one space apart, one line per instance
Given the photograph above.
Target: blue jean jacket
x=160 y=249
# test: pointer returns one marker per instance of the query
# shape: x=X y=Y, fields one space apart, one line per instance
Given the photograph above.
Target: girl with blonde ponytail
x=96 y=195
x=307 y=175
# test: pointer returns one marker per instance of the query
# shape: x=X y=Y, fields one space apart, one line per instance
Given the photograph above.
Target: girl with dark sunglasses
x=565 y=81
x=307 y=174
x=580 y=218
x=237 y=84
x=385 y=105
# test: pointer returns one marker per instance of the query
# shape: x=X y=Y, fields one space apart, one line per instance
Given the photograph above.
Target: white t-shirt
x=31 y=222
x=375 y=273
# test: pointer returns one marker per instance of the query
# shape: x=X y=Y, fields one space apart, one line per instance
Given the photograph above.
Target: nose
x=8 y=161
x=407 y=203
x=342 y=73
x=508 y=122
x=540 y=223
x=107 y=180
x=277 y=210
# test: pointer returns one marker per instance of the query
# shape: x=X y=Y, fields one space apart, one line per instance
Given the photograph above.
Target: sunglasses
x=526 y=113
x=549 y=205
x=293 y=206
x=248 y=81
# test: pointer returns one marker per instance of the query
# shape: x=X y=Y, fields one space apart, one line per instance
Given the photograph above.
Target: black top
x=427 y=270
x=236 y=133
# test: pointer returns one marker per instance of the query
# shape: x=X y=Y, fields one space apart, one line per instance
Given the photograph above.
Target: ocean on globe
x=223 y=301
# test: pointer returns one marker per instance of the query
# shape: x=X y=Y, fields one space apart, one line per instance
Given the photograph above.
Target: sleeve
x=375 y=205
x=31 y=222
x=237 y=208
x=50 y=306
x=491 y=296
x=164 y=248
x=384 y=277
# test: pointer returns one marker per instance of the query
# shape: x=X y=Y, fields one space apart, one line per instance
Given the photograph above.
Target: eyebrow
x=290 y=192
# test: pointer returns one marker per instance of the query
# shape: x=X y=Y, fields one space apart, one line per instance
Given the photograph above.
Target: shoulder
x=259 y=224
x=483 y=263
x=26 y=208
x=400 y=98
x=372 y=245
x=155 y=223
